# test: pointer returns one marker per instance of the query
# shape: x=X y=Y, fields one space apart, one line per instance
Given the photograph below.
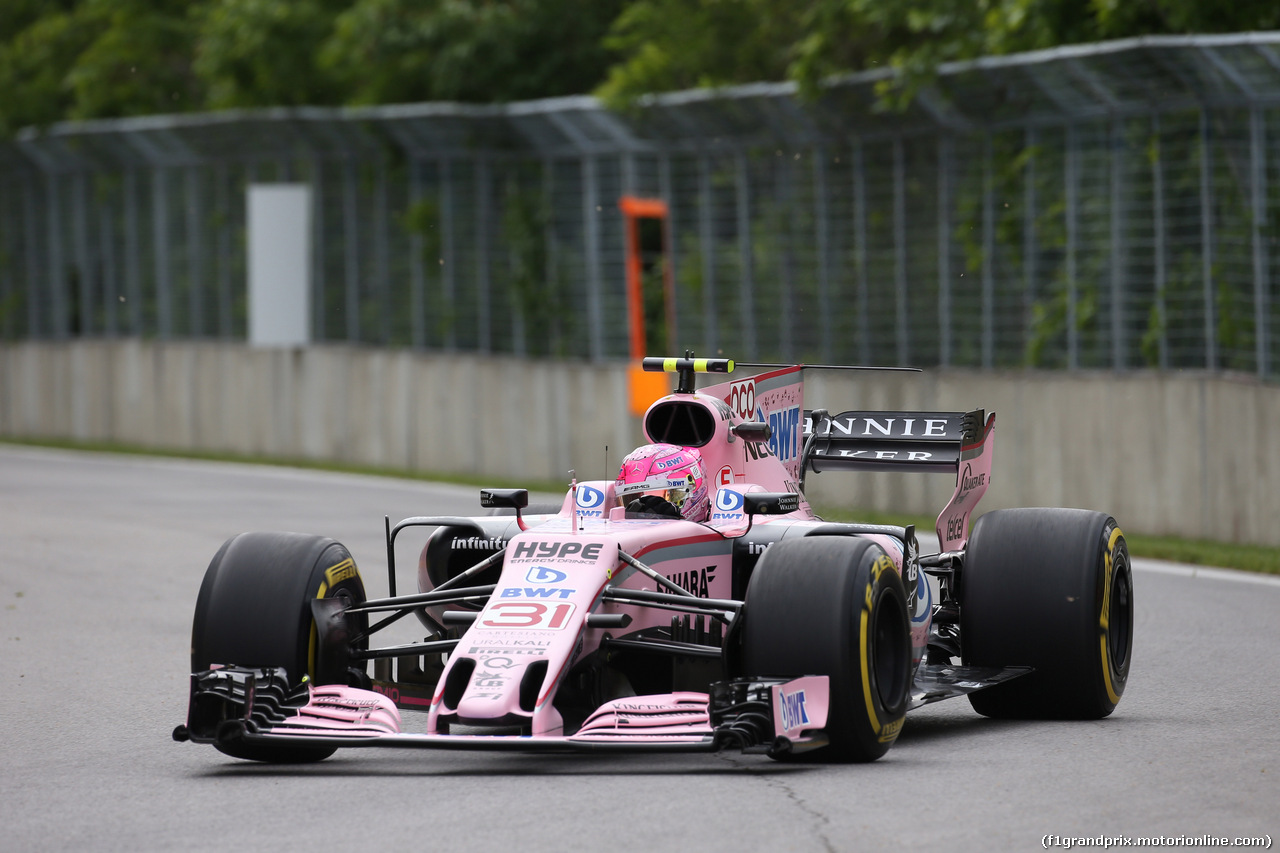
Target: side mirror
x=770 y=503
x=753 y=431
x=501 y=498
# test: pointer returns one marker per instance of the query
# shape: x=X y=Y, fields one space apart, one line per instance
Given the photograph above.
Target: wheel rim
x=890 y=638
x=1120 y=627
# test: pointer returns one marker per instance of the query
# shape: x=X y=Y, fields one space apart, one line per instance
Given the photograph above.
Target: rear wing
x=889 y=441
x=934 y=442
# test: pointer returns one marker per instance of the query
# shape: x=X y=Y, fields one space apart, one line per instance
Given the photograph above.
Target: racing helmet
x=669 y=473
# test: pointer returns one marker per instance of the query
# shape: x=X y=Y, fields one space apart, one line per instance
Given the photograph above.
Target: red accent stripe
x=781 y=371
x=986 y=431
x=676 y=543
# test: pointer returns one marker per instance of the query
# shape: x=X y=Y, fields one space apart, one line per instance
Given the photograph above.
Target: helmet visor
x=674 y=491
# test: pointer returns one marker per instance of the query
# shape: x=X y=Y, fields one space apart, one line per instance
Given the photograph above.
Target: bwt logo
x=544 y=574
x=728 y=501
x=786 y=429
x=794 y=714
x=536 y=592
x=589 y=498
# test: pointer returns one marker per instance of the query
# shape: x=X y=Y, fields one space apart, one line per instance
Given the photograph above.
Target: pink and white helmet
x=669 y=472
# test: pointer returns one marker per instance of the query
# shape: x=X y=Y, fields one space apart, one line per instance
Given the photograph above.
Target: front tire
x=1051 y=589
x=834 y=606
x=254 y=610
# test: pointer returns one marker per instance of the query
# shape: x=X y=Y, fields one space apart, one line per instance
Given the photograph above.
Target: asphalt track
x=100 y=560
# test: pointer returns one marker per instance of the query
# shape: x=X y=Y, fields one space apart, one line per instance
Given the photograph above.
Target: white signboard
x=279 y=231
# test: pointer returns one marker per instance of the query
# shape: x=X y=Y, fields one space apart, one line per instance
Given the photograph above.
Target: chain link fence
x=1106 y=206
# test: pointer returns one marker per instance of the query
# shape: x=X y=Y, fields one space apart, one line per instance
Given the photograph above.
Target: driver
x=663 y=481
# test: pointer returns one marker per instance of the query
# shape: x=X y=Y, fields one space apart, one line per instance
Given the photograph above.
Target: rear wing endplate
x=936 y=442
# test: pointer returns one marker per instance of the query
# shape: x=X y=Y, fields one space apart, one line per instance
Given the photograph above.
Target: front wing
x=233 y=705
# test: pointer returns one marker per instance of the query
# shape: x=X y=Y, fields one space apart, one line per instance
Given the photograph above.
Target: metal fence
x=1107 y=206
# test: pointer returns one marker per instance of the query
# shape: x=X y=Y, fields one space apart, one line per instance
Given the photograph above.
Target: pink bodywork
x=554 y=574
x=800 y=709
x=972 y=480
x=552 y=579
x=337 y=711
x=509 y=663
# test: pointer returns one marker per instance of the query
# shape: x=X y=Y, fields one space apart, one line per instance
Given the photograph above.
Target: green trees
x=76 y=59
x=397 y=51
x=257 y=53
x=673 y=44
x=67 y=59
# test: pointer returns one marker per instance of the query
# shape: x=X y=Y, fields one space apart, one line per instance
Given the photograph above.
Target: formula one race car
x=695 y=603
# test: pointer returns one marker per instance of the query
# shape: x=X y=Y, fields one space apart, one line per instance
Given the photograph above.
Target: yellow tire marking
x=335 y=574
x=1105 y=620
x=889 y=731
x=866 y=678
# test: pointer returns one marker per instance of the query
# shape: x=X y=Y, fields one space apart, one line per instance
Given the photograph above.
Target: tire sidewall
x=254 y=606
x=834 y=606
x=1115 y=617
x=254 y=610
x=1051 y=589
x=882 y=688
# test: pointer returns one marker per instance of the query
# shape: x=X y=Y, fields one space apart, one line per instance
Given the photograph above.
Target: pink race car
x=694 y=603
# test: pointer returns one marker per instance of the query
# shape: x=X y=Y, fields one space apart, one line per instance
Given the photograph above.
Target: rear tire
x=254 y=610
x=1051 y=589
x=834 y=606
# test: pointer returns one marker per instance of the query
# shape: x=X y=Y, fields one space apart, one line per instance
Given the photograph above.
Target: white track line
x=1189 y=571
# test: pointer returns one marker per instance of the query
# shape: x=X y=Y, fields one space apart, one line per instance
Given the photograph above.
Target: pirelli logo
x=335 y=575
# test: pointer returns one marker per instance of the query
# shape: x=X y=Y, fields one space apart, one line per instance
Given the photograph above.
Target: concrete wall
x=1181 y=453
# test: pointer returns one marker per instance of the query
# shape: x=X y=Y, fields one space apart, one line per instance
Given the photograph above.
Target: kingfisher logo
x=786 y=431
x=794 y=714
x=590 y=500
x=728 y=504
x=544 y=574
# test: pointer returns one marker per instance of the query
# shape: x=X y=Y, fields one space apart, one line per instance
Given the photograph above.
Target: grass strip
x=1200 y=552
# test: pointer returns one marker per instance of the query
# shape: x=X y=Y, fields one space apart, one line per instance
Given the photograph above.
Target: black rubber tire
x=1052 y=589
x=834 y=606
x=254 y=610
